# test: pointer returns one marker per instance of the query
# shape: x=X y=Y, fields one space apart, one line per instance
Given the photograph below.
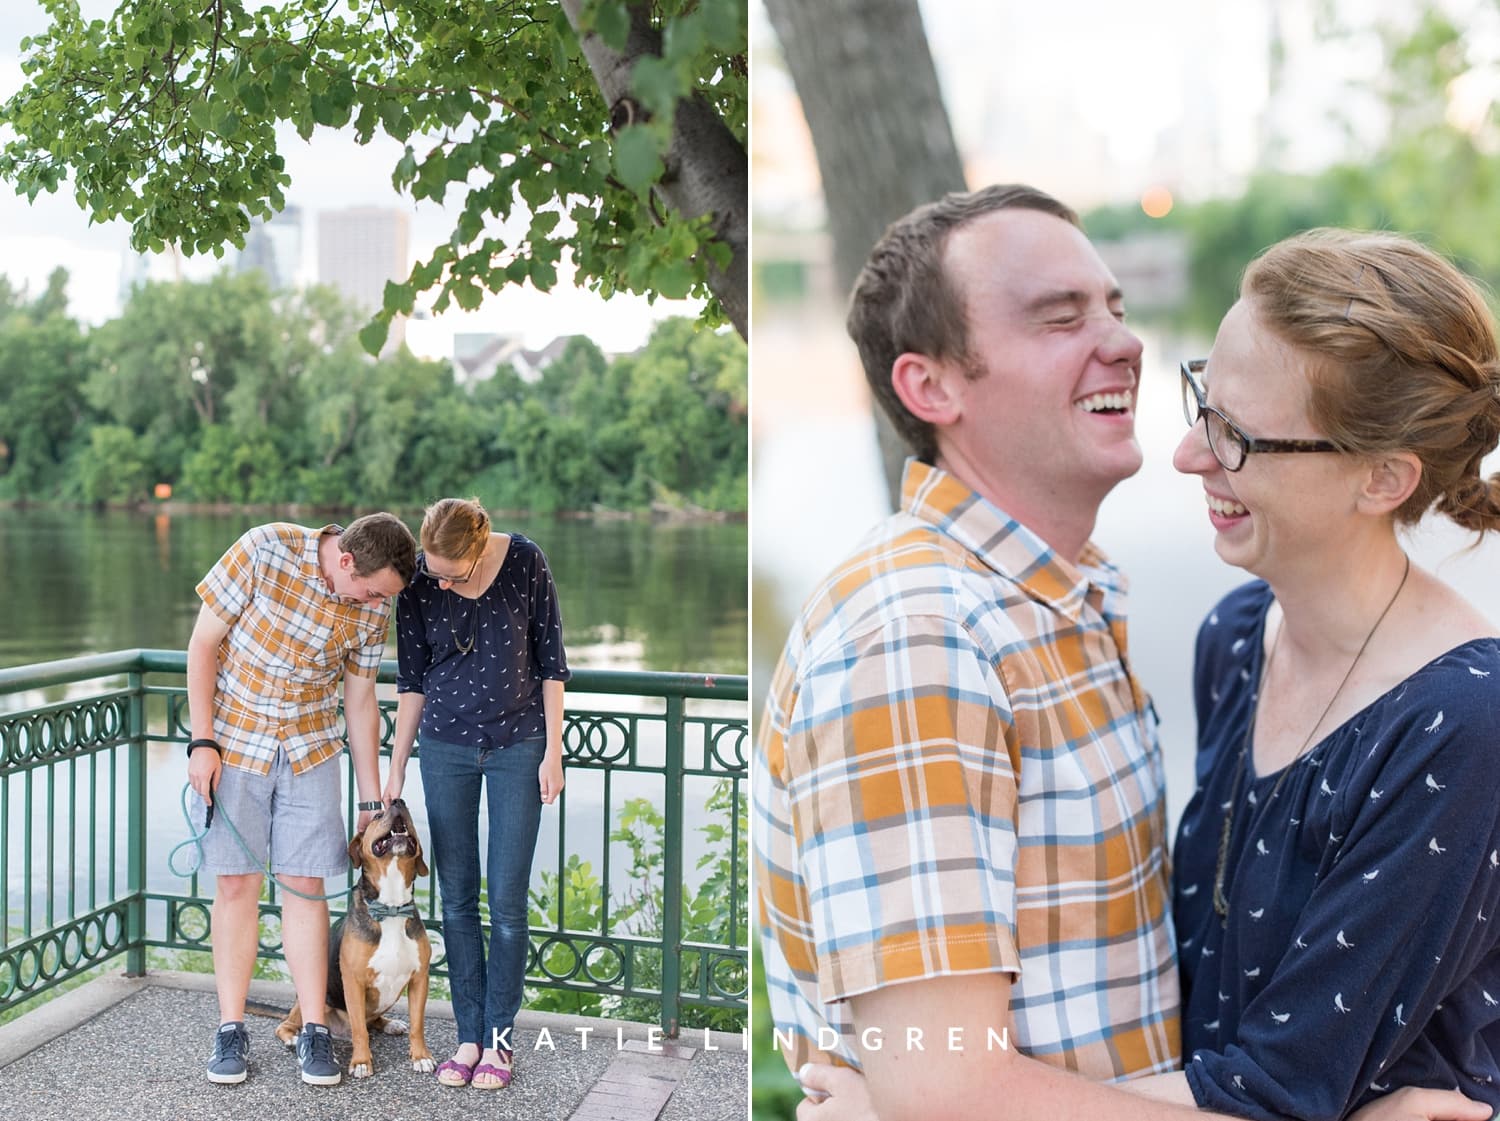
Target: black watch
x=370 y=806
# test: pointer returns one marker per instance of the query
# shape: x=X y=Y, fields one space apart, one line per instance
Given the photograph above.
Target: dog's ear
x=357 y=849
x=421 y=862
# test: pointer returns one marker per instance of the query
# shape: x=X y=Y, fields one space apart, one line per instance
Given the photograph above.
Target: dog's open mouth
x=398 y=840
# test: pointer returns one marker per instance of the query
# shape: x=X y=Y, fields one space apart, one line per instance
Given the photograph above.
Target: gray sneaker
x=315 y=1056
x=231 y=1050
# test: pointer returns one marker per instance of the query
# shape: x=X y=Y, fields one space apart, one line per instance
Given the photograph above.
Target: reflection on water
x=660 y=596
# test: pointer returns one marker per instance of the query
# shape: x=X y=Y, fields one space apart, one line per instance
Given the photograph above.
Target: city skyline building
x=360 y=248
x=274 y=247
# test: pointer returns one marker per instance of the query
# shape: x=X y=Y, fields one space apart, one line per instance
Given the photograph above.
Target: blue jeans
x=485 y=1000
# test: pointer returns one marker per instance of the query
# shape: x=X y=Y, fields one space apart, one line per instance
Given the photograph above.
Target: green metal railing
x=91 y=771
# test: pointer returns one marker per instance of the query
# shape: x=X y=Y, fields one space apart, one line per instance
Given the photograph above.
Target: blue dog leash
x=196 y=841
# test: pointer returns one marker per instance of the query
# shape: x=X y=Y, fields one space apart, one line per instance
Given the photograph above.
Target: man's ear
x=1389 y=482
x=346 y=561
x=926 y=387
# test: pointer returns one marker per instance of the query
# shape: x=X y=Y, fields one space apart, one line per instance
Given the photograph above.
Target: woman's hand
x=836 y=1093
x=395 y=779
x=1412 y=1104
x=550 y=777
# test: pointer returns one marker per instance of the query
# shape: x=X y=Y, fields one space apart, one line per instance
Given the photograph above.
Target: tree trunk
x=870 y=94
x=707 y=170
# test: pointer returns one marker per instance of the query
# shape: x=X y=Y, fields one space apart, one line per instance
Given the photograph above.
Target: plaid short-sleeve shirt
x=290 y=642
x=957 y=773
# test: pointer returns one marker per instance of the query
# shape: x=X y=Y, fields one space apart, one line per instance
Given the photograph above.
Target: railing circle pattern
x=37 y=737
x=727 y=745
x=596 y=739
x=60 y=953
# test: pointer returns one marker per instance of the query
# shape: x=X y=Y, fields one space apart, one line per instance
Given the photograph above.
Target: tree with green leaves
x=43 y=363
x=619 y=127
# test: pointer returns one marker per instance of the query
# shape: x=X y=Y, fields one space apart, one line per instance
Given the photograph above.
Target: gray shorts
x=296 y=820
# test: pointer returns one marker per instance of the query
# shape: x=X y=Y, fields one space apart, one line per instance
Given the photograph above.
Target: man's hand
x=364 y=819
x=834 y=1093
x=204 y=768
x=1412 y=1104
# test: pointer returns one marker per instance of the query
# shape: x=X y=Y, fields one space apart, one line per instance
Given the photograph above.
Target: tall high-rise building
x=359 y=249
x=275 y=247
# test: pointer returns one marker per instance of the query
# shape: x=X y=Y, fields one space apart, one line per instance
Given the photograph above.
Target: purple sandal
x=461 y=1073
x=500 y=1074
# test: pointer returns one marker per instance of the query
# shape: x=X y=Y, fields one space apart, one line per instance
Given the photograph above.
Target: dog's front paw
x=360 y=1070
x=393 y=1026
x=423 y=1063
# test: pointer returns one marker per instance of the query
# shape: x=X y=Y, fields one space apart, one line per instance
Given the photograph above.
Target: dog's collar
x=379 y=910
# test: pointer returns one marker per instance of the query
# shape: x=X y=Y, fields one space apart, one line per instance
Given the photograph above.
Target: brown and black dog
x=380 y=946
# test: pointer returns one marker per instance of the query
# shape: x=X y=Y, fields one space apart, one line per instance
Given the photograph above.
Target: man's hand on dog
x=204 y=768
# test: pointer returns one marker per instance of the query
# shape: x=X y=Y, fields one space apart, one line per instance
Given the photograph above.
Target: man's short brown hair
x=379 y=541
x=903 y=301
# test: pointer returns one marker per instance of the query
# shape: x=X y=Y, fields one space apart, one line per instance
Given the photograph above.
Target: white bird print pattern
x=1326 y=789
x=1434 y=786
x=1369 y=877
x=1399 y=1021
x=1344 y=943
x=1479 y=672
x=1338 y=1003
x=1260 y=847
x=1257 y=913
x=1250 y=974
x=1437 y=722
x=1281 y=1017
x=1434 y=848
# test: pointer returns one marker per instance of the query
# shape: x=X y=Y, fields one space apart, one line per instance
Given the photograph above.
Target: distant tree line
x=231 y=393
x=1433 y=175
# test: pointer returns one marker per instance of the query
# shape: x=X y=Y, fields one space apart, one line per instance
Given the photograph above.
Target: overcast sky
x=328 y=172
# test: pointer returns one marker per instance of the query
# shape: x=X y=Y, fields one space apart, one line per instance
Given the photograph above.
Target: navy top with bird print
x=480 y=663
x=1359 y=950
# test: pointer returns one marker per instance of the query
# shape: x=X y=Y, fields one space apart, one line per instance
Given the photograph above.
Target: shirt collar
x=932 y=495
x=310 y=556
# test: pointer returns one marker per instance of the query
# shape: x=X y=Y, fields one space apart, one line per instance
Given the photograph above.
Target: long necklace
x=1221 y=866
x=463 y=647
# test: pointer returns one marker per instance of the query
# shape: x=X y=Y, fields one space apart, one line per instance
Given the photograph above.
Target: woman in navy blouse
x=1338 y=868
x=479 y=643
x=1337 y=872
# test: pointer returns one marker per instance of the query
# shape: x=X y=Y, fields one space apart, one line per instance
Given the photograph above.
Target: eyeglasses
x=445 y=578
x=1227 y=440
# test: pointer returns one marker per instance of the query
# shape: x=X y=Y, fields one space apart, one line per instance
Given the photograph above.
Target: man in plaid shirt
x=960 y=816
x=287 y=613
